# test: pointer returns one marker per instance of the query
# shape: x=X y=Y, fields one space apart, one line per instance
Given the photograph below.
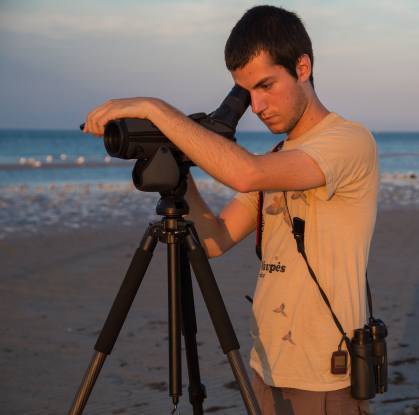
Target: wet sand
x=58 y=283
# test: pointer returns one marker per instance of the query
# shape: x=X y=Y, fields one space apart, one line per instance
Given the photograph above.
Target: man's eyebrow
x=262 y=81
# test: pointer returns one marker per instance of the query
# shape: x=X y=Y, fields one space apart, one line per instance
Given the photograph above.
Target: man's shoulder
x=340 y=125
x=344 y=132
x=347 y=154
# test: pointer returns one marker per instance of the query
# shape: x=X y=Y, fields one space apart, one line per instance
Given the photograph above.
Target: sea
x=66 y=156
x=64 y=181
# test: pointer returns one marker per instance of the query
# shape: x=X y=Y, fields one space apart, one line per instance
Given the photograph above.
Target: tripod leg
x=175 y=362
x=221 y=320
x=116 y=319
x=197 y=392
x=87 y=383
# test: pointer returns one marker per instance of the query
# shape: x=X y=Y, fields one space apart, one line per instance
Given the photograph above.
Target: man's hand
x=115 y=109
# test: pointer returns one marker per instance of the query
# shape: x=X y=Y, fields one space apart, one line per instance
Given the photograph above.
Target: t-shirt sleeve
x=250 y=201
x=347 y=155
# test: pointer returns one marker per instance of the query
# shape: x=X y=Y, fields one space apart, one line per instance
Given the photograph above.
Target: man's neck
x=313 y=114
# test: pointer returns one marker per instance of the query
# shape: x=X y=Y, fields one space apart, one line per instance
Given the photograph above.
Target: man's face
x=278 y=98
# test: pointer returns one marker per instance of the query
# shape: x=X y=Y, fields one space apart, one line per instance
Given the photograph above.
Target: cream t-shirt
x=294 y=331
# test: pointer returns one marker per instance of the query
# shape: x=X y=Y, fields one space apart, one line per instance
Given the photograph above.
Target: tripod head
x=172 y=202
x=166 y=174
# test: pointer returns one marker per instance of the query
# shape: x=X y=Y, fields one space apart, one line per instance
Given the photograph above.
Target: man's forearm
x=206 y=222
x=218 y=233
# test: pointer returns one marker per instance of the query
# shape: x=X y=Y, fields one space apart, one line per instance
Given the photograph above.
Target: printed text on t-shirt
x=272 y=268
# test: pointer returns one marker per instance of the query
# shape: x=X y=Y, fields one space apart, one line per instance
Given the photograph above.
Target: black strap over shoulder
x=372 y=319
x=298 y=227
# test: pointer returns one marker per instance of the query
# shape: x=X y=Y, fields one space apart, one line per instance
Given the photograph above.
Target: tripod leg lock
x=191 y=243
x=197 y=398
x=149 y=241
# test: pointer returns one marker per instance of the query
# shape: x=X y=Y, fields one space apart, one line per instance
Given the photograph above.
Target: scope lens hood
x=113 y=138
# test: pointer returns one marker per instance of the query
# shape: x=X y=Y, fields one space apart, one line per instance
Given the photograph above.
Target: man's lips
x=267 y=119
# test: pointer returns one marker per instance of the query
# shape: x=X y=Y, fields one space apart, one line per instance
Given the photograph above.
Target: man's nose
x=258 y=104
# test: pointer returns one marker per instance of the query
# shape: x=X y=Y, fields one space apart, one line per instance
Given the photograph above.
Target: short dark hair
x=274 y=30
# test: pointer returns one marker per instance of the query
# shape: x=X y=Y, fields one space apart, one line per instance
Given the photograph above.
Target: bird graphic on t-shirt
x=288 y=337
x=277 y=207
x=299 y=194
x=281 y=310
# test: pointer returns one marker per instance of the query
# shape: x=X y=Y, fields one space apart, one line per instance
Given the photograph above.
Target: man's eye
x=266 y=86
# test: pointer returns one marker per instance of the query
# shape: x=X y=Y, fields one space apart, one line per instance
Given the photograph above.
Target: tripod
x=183 y=249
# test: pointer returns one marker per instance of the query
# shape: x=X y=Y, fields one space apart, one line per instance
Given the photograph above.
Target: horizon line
x=238 y=131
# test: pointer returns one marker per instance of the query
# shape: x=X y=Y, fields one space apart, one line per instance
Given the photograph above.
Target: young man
x=326 y=173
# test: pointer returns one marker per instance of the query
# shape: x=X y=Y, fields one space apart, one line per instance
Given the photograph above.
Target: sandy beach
x=64 y=252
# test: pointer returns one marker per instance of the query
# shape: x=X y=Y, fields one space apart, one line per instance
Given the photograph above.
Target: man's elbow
x=212 y=252
x=242 y=186
x=246 y=180
x=246 y=183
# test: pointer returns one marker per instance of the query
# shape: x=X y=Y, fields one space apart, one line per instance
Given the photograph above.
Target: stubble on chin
x=300 y=105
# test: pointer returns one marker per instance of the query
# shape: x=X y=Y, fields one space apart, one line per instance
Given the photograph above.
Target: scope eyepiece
x=233 y=107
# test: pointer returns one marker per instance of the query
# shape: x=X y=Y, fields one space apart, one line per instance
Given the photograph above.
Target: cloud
x=170 y=21
x=174 y=19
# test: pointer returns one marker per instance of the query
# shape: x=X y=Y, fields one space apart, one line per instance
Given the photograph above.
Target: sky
x=61 y=59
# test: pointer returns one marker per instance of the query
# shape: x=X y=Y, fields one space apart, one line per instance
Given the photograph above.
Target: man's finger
x=103 y=114
x=93 y=116
x=111 y=114
x=92 y=121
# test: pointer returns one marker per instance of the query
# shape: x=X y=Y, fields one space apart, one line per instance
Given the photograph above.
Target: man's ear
x=303 y=68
